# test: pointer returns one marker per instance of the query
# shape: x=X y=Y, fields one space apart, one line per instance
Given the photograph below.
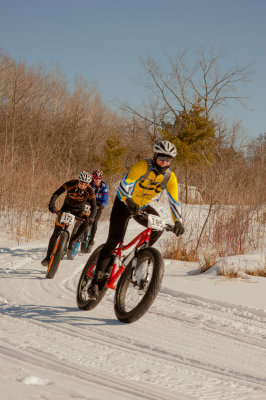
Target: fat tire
x=60 y=244
x=85 y=280
x=151 y=293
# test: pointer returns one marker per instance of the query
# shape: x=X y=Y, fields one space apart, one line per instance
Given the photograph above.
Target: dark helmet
x=98 y=174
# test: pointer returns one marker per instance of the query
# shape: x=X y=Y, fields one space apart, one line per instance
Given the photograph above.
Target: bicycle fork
x=119 y=265
x=117 y=269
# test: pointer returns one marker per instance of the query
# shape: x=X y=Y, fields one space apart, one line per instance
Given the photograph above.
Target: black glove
x=52 y=207
x=133 y=208
x=178 y=229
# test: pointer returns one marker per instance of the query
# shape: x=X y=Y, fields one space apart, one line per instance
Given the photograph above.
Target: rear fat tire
x=154 y=286
x=83 y=302
x=59 y=249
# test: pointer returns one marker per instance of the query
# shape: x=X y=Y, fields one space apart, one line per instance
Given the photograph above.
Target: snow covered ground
x=203 y=338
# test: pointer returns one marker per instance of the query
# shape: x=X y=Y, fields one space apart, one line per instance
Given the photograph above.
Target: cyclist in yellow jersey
x=145 y=180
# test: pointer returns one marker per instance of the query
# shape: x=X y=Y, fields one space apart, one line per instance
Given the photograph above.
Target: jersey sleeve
x=104 y=195
x=58 y=192
x=91 y=200
x=172 y=192
x=126 y=186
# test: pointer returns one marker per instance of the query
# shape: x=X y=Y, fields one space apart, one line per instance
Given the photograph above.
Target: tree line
x=48 y=133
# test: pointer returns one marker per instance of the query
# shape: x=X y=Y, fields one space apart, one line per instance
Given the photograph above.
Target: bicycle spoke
x=86 y=279
x=138 y=284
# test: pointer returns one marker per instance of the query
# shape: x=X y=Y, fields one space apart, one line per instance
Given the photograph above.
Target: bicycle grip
x=169 y=228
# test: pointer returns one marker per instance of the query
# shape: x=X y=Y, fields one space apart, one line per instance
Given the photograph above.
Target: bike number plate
x=67 y=218
x=155 y=222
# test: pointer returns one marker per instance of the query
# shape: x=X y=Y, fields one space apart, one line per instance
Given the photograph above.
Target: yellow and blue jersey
x=143 y=191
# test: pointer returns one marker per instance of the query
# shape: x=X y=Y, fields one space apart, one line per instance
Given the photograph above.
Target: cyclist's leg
x=118 y=224
x=75 y=229
x=83 y=227
x=143 y=220
x=94 y=225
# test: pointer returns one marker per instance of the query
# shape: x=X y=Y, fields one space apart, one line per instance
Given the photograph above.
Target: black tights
x=94 y=226
x=118 y=224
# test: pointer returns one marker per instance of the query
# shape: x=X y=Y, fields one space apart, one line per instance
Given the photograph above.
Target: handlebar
x=167 y=227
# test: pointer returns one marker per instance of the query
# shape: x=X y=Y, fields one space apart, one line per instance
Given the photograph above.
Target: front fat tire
x=146 y=301
x=84 y=303
x=59 y=250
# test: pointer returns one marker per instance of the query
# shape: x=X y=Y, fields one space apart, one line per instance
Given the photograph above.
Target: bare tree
x=178 y=87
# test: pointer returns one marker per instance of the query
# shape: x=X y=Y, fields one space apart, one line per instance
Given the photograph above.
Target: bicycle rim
x=82 y=297
x=138 y=287
x=57 y=255
x=139 y=283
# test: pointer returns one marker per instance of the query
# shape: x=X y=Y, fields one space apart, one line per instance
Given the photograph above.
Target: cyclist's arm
x=56 y=194
x=103 y=196
x=126 y=186
x=61 y=190
x=172 y=192
x=91 y=200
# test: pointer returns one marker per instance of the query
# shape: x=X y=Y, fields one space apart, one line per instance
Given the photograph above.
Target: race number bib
x=155 y=222
x=67 y=218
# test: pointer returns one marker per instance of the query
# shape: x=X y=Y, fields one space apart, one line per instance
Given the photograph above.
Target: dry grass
x=208 y=261
x=258 y=273
x=235 y=274
x=178 y=250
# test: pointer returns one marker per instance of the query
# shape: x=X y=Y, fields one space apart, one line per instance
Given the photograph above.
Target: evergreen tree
x=193 y=133
x=112 y=162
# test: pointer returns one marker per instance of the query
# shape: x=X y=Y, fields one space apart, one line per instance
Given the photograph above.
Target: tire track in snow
x=48 y=315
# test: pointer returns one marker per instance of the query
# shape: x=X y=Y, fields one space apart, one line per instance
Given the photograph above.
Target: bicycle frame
x=117 y=267
x=64 y=227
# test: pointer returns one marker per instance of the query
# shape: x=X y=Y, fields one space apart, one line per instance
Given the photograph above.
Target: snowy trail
x=185 y=347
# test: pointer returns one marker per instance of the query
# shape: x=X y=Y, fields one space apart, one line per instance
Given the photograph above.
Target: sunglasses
x=165 y=158
x=83 y=183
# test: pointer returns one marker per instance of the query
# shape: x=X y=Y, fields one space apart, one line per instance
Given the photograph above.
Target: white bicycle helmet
x=84 y=177
x=165 y=147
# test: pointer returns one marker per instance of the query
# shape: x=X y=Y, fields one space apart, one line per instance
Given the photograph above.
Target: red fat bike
x=140 y=274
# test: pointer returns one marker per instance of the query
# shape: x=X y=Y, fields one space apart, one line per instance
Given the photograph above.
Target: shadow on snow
x=54 y=315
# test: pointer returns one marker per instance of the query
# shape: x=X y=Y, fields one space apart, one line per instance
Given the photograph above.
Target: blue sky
x=102 y=40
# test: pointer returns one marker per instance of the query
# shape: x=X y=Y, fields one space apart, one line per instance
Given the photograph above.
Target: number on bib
x=155 y=222
x=67 y=218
